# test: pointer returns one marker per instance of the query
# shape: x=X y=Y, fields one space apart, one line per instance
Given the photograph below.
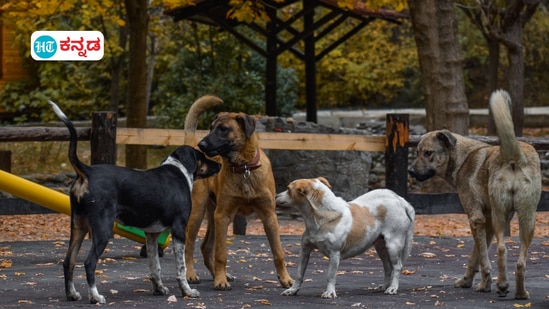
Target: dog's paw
x=483 y=287
x=289 y=292
x=522 y=295
x=74 y=296
x=230 y=277
x=502 y=289
x=97 y=299
x=462 y=283
x=193 y=280
x=391 y=290
x=193 y=293
x=161 y=290
x=286 y=282
x=329 y=294
x=222 y=286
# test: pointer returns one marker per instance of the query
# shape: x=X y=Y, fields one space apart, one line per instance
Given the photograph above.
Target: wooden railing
x=104 y=135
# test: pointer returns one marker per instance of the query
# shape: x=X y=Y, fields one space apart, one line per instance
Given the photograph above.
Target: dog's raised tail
x=78 y=166
x=199 y=106
x=500 y=104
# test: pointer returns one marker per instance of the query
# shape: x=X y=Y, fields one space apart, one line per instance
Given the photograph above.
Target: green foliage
x=204 y=60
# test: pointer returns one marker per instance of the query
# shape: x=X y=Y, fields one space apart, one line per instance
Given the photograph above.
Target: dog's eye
x=427 y=153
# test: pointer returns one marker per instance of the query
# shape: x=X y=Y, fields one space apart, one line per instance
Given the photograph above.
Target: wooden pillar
x=5 y=160
x=103 y=138
x=396 y=153
x=310 y=61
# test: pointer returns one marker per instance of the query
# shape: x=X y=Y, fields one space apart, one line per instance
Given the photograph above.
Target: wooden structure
x=394 y=144
x=288 y=34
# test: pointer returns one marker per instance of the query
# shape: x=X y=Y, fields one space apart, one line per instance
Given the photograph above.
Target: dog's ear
x=247 y=123
x=447 y=138
x=324 y=181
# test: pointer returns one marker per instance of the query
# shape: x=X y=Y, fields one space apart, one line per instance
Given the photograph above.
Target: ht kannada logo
x=67 y=45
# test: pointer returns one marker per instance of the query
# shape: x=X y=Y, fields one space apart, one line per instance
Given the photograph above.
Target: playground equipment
x=60 y=202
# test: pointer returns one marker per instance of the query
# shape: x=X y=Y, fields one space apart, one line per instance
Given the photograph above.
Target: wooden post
x=5 y=160
x=396 y=153
x=239 y=225
x=103 y=138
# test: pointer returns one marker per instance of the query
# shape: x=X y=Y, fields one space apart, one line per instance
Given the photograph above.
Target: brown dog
x=493 y=182
x=245 y=185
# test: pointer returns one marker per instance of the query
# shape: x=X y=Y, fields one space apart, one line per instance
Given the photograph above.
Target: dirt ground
x=57 y=226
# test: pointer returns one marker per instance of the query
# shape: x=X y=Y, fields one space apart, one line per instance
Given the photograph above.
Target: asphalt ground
x=32 y=277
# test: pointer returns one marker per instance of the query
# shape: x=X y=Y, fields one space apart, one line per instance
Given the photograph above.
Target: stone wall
x=347 y=171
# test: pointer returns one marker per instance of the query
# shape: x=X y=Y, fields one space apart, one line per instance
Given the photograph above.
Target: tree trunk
x=440 y=60
x=116 y=72
x=136 y=99
x=515 y=76
x=493 y=70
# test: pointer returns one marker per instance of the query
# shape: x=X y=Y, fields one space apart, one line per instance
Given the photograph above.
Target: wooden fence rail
x=394 y=144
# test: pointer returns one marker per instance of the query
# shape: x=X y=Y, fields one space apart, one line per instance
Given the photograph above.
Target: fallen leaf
x=172 y=299
x=409 y=272
x=528 y=305
x=113 y=292
x=5 y=263
x=428 y=255
x=264 y=302
x=140 y=291
x=24 y=301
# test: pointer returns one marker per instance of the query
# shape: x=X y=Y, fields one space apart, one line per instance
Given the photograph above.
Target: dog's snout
x=202 y=145
x=412 y=172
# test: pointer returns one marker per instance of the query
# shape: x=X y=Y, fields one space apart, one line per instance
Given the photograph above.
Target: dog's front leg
x=222 y=220
x=270 y=225
x=179 y=249
x=154 y=264
x=332 y=273
x=304 y=255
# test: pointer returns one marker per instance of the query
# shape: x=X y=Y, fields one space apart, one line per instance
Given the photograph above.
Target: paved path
x=35 y=278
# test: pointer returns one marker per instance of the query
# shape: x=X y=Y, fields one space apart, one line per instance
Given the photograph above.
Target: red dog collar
x=247 y=167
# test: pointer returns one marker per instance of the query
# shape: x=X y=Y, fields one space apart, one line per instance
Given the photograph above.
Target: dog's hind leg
x=100 y=239
x=154 y=264
x=526 y=228
x=478 y=260
x=383 y=254
x=79 y=229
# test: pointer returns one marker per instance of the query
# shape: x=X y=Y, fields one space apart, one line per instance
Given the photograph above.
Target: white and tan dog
x=340 y=229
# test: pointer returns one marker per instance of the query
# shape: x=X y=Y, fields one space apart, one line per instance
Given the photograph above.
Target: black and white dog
x=153 y=200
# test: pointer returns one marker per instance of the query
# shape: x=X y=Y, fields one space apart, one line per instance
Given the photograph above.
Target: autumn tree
x=440 y=60
x=503 y=23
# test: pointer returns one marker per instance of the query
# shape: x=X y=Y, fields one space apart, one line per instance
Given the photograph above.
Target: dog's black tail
x=79 y=167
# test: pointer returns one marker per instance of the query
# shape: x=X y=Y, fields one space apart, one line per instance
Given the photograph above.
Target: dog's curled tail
x=199 y=106
x=500 y=104
x=78 y=166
